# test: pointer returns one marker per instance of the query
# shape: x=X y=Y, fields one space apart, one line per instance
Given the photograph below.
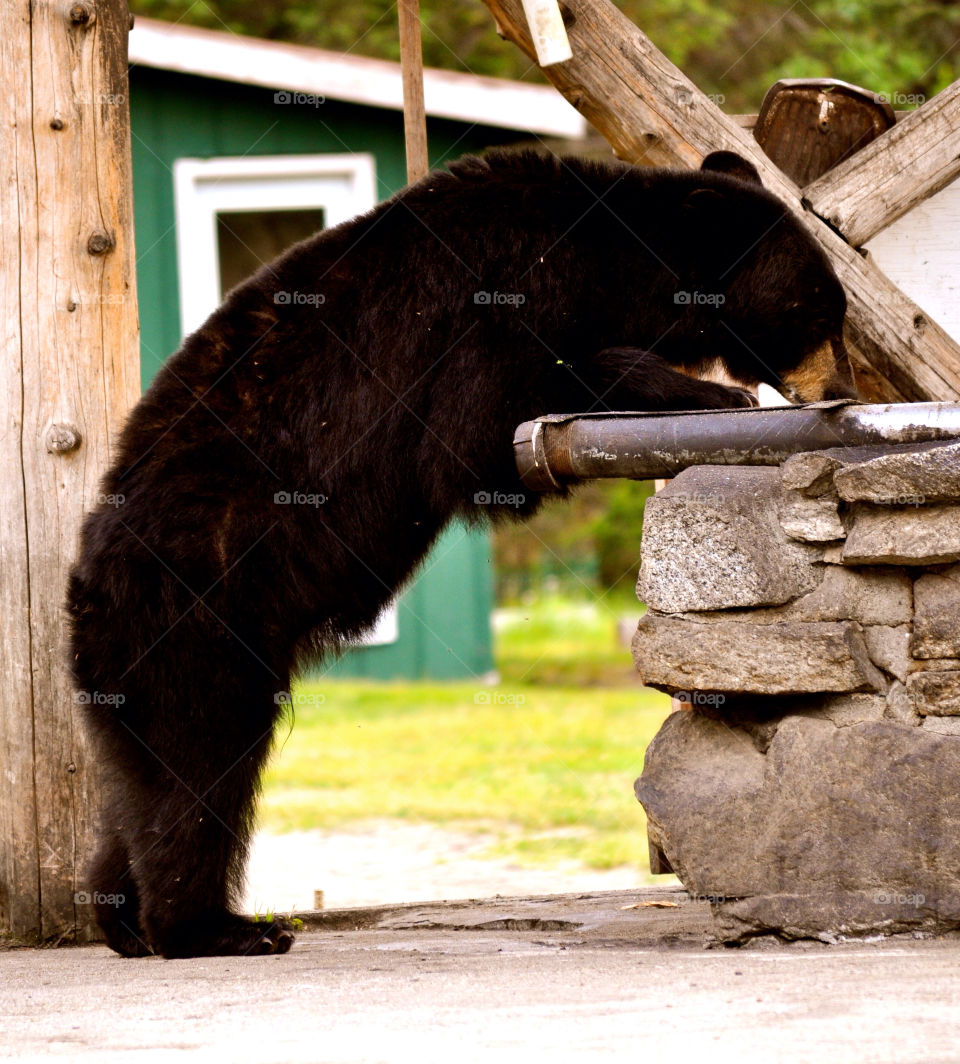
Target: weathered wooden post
x=68 y=374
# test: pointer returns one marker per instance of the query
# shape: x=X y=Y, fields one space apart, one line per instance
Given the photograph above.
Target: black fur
x=388 y=390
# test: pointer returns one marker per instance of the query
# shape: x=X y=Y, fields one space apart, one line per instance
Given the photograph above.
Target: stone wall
x=808 y=618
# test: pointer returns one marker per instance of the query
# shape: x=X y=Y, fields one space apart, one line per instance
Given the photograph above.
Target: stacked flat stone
x=808 y=619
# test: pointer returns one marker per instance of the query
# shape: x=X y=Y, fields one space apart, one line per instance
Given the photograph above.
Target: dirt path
x=384 y=861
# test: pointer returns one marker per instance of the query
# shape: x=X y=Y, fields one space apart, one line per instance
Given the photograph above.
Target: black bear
x=295 y=459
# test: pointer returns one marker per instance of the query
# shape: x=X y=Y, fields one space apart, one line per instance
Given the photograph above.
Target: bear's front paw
x=741 y=397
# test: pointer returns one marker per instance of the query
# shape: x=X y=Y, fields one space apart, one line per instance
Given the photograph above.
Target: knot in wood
x=99 y=242
x=63 y=438
x=82 y=14
x=56 y=123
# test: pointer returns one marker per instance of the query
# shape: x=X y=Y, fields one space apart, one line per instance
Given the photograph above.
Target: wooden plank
x=651 y=113
x=414 y=115
x=907 y=164
x=70 y=375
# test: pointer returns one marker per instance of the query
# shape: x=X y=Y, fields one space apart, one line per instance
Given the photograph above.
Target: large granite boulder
x=684 y=654
x=924 y=475
x=807 y=826
x=712 y=540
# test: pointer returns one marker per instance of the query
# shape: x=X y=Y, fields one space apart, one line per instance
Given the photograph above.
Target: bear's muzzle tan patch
x=823 y=374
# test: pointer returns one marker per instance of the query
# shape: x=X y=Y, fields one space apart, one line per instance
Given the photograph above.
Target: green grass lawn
x=555 y=642
x=546 y=767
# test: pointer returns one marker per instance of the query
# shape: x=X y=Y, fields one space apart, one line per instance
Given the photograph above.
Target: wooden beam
x=901 y=168
x=68 y=375
x=652 y=114
x=414 y=115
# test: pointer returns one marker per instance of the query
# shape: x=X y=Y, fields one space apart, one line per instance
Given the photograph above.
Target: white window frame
x=383 y=630
x=342 y=185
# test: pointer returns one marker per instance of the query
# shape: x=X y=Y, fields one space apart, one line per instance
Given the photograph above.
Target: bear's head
x=781 y=318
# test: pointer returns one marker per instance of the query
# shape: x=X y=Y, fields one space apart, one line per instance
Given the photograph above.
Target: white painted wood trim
x=920 y=253
x=385 y=628
x=343 y=185
x=322 y=75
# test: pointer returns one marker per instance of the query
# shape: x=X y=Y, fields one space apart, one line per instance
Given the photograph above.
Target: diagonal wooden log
x=651 y=113
x=901 y=168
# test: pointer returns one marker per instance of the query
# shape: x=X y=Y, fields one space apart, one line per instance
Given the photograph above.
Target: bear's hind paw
x=232 y=936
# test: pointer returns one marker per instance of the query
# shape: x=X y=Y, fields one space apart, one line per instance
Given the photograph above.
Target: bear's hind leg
x=115 y=899
x=181 y=741
x=188 y=857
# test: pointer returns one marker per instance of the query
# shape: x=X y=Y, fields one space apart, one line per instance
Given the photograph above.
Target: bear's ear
x=728 y=162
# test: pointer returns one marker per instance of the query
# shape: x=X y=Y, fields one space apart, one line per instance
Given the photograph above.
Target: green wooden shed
x=242 y=146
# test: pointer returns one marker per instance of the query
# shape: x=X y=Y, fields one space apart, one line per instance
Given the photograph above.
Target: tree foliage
x=591 y=540
x=734 y=50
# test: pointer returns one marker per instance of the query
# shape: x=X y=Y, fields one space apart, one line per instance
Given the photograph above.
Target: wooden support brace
x=901 y=168
x=652 y=114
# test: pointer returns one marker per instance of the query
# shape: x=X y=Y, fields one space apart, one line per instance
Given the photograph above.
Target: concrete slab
x=576 y=977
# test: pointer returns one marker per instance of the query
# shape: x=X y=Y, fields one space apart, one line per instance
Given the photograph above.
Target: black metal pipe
x=560 y=449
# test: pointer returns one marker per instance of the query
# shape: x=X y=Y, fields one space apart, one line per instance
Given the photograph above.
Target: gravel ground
x=382 y=862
